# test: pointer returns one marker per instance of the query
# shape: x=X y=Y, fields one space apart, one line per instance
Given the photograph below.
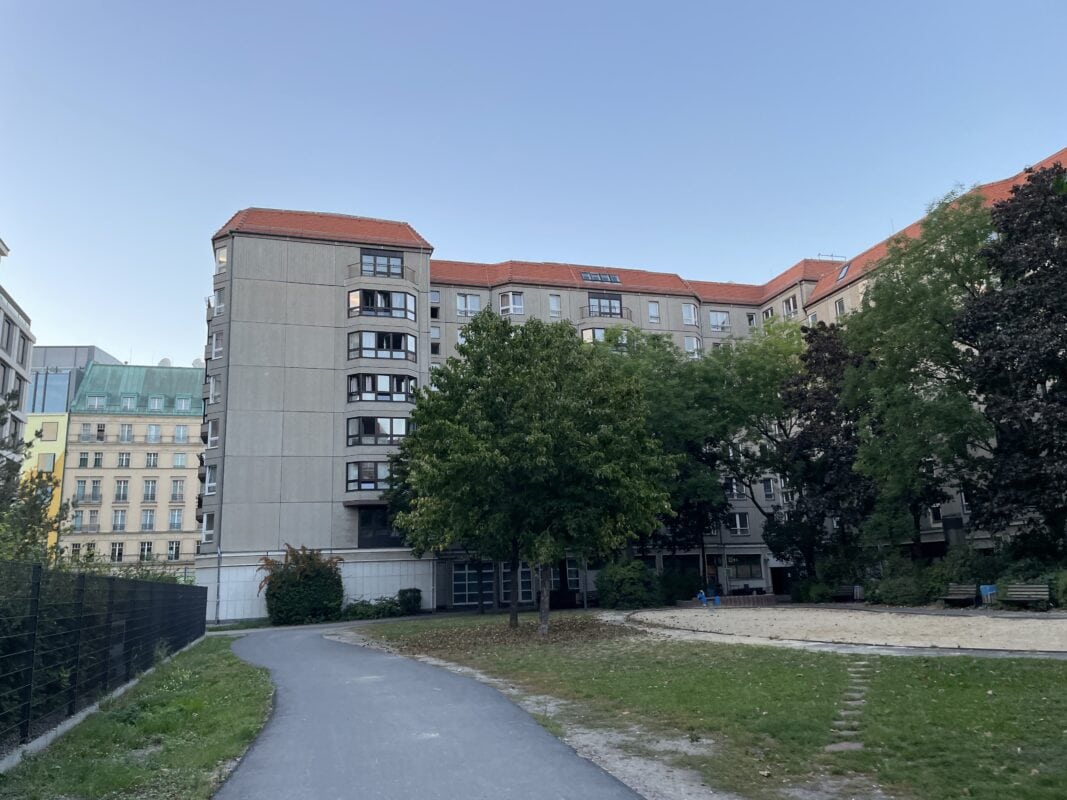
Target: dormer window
x=155 y=403
x=600 y=277
x=843 y=271
x=96 y=402
x=129 y=402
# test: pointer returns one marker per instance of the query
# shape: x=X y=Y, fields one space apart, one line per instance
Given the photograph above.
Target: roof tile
x=323 y=227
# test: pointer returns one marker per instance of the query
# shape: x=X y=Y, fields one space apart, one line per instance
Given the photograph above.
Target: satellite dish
x=165 y=362
x=198 y=363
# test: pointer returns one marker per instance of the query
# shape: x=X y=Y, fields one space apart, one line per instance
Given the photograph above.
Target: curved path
x=352 y=722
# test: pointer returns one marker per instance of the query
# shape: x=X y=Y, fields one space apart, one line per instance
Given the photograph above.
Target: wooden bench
x=965 y=593
x=1026 y=594
x=844 y=594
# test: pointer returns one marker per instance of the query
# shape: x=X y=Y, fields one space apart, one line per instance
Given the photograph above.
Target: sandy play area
x=867 y=627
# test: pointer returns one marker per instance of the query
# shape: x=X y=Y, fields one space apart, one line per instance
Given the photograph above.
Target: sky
x=719 y=141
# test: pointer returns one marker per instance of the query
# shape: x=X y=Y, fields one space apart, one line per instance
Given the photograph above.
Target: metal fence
x=67 y=639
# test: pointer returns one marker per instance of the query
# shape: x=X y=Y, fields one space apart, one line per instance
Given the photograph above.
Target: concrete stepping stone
x=855 y=702
x=843 y=747
x=845 y=734
x=849 y=712
x=845 y=724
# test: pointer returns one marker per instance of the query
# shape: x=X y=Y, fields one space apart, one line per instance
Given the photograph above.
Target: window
x=179 y=460
x=174 y=523
x=789 y=307
x=435 y=312
x=466 y=577
x=118 y=519
x=813 y=318
x=207 y=531
x=768 y=313
x=555 y=305
x=839 y=307
x=220 y=302
x=181 y=434
x=841 y=273
x=389 y=388
x=605 y=305
x=220 y=260
x=653 y=310
x=768 y=488
x=211 y=478
x=511 y=303
x=965 y=507
x=146 y=551
x=116 y=552
x=151 y=460
x=212 y=433
x=691 y=345
x=177 y=490
x=79 y=491
x=94 y=520
x=86 y=434
x=124 y=460
x=460 y=337
x=363 y=475
x=719 y=320
x=750 y=319
x=599 y=277
x=174 y=550
x=23 y=349
x=75 y=551
x=214 y=388
x=126 y=432
x=216 y=344
x=935 y=515
x=96 y=402
x=122 y=491
x=435 y=331
x=435 y=295
x=150 y=490
x=378 y=303
x=83 y=460
x=733 y=489
x=383 y=263
x=375 y=530
x=155 y=403
x=689 y=314
x=182 y=403
x=573 y=582
x=5 y=334
x=148 y=519
x=128 y=403
x=76 y=521
x=743 y=568
x=96 y=493
x=381 y=344
x=593 y=334
x=376 y=430
x=98 y=460
x=737 y=523
x=467 y=305
x=525 y=583
x=154 y=435
x=46 y=462
x=101 y=432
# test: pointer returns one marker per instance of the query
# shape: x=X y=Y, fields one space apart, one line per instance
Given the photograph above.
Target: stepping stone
x=845 y=734
x=842 y=747
x=845 y=724
x=855 y=702
x=853 y=695
x=849 y=712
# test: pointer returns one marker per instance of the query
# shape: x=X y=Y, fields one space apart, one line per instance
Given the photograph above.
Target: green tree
x=25 y=500
x=1016 y=332
x=530 y=445
x=918 y=420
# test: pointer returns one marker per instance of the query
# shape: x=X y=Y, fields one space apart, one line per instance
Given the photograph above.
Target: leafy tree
x=529 y=446
x=918 y=422
x=25 y=500
x=1016 y=332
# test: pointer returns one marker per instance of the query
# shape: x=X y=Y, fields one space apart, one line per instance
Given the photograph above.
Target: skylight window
x=600 y=277
x=844 y=271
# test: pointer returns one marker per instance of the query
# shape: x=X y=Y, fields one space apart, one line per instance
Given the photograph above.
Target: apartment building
x=16 y=347
x=132 y=460
x=322 y=326
x=56 y=373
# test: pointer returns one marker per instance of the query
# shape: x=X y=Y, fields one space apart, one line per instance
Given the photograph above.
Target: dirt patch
x=863 y=627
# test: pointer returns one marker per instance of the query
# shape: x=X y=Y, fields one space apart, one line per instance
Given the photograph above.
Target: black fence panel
x=67 y=639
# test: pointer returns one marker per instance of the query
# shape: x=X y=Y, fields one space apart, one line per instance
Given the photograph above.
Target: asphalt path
x=355 y=723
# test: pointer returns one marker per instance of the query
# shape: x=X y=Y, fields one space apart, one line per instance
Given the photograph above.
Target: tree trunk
x=513 y=564
x=544 y=575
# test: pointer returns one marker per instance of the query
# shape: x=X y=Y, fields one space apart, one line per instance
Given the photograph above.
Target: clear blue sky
x=722 y=141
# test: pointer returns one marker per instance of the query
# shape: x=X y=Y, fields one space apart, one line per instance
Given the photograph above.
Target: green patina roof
x=115 y=381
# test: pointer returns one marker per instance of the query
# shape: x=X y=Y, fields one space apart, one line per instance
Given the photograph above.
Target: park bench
x=961 y=593
x=844 y=594
x=1026 y=594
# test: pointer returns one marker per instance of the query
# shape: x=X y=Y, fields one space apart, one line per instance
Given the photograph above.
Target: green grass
x=168 y=737
x=931 y=729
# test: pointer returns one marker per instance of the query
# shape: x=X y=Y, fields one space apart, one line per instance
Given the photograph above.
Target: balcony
x=588 y=312
x=203 y=433
x=88 y=499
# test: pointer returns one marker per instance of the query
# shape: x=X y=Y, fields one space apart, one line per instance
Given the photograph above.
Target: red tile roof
x=869 y=259
x=324 y=227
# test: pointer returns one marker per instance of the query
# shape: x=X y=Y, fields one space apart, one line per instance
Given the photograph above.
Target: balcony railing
x=405 y=274
x=92 y=528
x=622 y=312
x=177 y=498
x=88 y=499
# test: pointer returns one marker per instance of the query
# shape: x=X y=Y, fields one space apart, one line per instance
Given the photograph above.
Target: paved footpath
x=356 y=723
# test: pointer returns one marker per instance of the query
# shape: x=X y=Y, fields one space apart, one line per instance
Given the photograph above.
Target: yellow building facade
x=47 y=454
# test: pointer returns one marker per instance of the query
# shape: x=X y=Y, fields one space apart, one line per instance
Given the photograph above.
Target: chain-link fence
x=67 y=639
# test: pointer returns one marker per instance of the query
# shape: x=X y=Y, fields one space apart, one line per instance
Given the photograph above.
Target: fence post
x=26 y=695
x=79 y=614
x=109 y=632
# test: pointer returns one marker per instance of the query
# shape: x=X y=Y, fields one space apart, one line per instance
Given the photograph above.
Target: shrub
x=305 y=586
x=675 y=586
x=627 y=584
x=410 y=601
x=381 y=608
x=1059 y=588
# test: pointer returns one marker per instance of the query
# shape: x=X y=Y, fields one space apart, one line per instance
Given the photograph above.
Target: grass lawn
x=168 y=737
x=931 y=728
